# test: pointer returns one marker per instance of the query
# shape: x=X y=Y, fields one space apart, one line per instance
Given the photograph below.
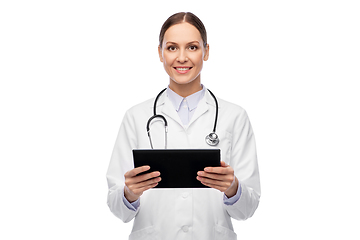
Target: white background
x=70 y=69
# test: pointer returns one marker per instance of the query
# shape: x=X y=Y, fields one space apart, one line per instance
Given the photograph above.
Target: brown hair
x=180 y=18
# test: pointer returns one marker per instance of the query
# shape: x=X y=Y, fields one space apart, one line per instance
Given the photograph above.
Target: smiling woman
x=233 y=189
x=183 y=53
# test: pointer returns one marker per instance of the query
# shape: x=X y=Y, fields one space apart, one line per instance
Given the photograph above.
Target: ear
x=206 y=55
x=160 y=54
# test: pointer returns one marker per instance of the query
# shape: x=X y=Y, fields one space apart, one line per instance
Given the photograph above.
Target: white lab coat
x=174 y=214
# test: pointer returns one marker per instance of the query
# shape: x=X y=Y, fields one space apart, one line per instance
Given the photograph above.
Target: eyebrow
x=177 y=43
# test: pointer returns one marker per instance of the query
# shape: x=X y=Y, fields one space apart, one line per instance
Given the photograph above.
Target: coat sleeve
x=121 y=161
x=244 y=162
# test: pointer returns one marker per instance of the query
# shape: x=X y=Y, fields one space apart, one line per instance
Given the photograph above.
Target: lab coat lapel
x=169 y=110
x=202 y=107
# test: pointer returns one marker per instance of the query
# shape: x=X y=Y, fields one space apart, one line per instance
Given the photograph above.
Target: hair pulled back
x=180 y=18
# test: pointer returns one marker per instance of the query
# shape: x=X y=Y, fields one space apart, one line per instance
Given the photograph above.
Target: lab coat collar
x=192 y=100
x=166 y=107
x=207 y=98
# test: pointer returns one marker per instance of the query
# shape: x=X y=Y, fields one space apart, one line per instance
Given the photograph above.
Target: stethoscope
x=212 y=139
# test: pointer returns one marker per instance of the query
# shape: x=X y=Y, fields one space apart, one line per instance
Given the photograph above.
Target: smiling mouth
x=183 y=68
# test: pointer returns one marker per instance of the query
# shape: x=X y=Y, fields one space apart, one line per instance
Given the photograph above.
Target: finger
x=136 y=171
x=145 y=177
x=143 y=189
x=220 y=184
x=216 y=176
x=146 y=183
x=219 y=170
x=132 y=181
x=142 y=186
x=137 y=192
x=222 y=189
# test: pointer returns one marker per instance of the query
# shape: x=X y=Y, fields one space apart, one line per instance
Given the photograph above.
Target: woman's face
x=183 y=53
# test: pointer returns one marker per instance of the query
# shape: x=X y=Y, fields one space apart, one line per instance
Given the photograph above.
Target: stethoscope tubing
x=212 y=139
x=217 y=111
x=156 y=99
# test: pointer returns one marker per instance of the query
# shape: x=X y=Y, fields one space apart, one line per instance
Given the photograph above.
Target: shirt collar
x=192 y=100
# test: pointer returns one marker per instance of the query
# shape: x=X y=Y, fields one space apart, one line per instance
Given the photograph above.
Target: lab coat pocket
x=148 y=233
x=222 y=233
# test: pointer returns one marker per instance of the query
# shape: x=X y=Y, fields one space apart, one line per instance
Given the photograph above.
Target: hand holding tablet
x=135 y=185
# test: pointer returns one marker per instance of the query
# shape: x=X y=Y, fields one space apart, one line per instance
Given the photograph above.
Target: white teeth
x=182 y=69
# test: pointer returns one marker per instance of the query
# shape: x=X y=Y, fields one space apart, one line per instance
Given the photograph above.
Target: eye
x=193 y=48
x=171 y=48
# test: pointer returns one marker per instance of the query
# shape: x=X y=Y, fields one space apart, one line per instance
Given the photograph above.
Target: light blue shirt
x=186 y=107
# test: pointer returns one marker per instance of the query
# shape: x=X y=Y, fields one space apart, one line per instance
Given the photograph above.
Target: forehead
x=182 y=33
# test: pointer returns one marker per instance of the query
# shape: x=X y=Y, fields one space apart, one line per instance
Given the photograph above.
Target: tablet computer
x=178 y=167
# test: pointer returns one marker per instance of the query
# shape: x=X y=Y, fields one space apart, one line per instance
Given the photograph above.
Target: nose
x=182 y=56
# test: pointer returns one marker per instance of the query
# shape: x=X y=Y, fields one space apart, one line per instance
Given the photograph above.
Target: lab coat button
x=185 y=228
x=185 y=194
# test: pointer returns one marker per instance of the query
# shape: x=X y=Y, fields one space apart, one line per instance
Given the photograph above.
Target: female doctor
x=190 y=110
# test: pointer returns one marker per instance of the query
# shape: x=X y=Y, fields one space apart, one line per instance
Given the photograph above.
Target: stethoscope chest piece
x=212 y=139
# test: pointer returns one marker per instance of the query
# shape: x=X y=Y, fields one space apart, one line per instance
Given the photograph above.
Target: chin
x=185 y=81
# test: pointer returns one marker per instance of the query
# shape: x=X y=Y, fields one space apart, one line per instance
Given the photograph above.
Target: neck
x=187 y=89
